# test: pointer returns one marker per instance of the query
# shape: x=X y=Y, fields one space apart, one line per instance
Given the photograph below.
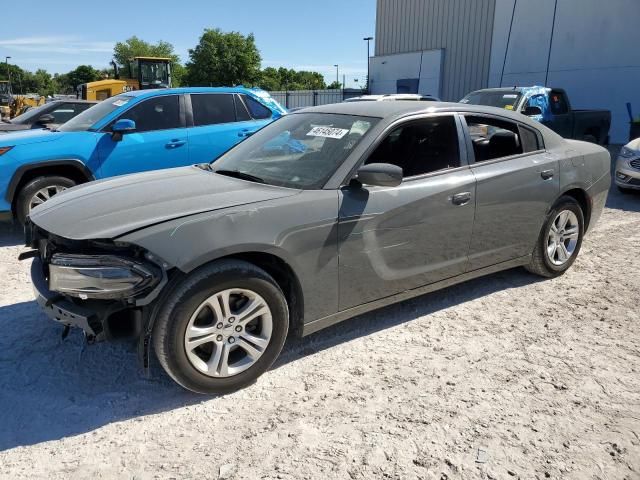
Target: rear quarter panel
x=587 y=166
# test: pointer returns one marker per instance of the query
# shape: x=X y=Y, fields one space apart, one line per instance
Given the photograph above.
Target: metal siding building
x=461 y=29
x=449 y=48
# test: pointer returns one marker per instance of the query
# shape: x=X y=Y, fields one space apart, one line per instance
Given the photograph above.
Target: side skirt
x=319 y=324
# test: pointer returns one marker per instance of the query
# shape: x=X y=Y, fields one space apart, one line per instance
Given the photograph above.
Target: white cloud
x=61 y=44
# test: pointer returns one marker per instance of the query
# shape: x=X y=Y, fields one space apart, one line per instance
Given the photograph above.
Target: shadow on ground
x=11 y=234
x=53 y=389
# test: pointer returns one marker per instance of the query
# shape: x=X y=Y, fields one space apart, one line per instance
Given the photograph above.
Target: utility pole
x=337 y=74
x=6 y=61
x=368 y=39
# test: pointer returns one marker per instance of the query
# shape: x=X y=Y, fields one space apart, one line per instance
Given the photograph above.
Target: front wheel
x=560 y=239
x=221 y=327
x=38 y=191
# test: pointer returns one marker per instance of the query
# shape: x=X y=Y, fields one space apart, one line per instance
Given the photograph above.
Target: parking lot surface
x=507 y=376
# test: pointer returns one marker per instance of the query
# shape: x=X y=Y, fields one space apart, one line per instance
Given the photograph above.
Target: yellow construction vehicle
x=13 y=105
x=142 y=73
x=6 y=99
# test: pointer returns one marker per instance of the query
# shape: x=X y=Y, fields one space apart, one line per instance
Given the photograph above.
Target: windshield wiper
x=241 y=175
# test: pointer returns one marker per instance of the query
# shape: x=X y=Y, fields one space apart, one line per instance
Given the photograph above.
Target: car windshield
x=90 y=116
x=297 y=151
x=507 y=99
x=30 y=115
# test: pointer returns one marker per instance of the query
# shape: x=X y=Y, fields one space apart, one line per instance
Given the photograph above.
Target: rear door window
x=212 y=108
x=493 y=138
x=242 y=114
x=529 y=139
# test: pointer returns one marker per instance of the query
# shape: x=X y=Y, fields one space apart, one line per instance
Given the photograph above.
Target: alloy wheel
x=45 y=194
x=228 y=332
x=563 y=238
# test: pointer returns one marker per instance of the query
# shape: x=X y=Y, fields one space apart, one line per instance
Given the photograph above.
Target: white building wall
x=387 y=69
x=595 y=53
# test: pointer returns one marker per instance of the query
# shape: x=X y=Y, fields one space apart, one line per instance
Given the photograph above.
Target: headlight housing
x=628 y=153
x=101 y=276
x=4 y=150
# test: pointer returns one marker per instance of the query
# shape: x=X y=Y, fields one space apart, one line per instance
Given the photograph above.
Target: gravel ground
x=498 y=378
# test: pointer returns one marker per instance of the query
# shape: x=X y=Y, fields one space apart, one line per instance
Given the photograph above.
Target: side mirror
x=380 y=174
x=532 y=111
x=45 y=119
x=122 y=126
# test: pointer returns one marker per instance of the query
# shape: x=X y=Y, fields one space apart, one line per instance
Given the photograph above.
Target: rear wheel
x=221 y=328
x=38 y=191
x=560 y=239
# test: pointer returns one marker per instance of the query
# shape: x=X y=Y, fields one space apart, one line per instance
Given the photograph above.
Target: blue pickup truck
x=549 y=106
x=132 y=132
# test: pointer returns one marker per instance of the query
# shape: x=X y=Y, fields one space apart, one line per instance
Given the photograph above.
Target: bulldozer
x=13 y=105
x=142 y=73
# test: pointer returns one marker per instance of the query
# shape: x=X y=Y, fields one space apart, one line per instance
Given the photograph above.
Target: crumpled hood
x=111 y=208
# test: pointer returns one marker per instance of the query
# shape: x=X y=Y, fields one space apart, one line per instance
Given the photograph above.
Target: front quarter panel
x=301 y=230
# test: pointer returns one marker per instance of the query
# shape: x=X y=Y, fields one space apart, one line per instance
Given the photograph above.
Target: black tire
x=183 y=300
x=32 y=187
x=541 y=264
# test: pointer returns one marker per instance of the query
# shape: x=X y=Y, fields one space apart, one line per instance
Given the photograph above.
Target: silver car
x=324 y=214
x=627 y=175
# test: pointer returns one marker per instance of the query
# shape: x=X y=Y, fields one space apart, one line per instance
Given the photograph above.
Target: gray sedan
x=320 y=216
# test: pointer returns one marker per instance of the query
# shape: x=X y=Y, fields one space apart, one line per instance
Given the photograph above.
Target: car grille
x=635 y=163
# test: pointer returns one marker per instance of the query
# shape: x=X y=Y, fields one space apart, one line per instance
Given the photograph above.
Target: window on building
x=493 y=138
x=421 y=147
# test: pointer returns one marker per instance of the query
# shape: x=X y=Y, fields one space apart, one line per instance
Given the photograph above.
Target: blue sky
x=296 y=34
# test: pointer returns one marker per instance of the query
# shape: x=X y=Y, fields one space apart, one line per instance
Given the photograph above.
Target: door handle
x=546 y=174
x=175 y=143
x=461 y=198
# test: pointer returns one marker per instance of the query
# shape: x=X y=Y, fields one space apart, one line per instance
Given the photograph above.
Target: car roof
x=167 y=91
x=391 y=111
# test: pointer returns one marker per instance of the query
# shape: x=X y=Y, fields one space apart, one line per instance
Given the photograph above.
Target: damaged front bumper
x=61 y=309
x=107 y=290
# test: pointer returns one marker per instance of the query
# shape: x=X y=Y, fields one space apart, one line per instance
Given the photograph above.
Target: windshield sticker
x=508 y=107
x=510 y=95
x=327 y=132
x=119 y=103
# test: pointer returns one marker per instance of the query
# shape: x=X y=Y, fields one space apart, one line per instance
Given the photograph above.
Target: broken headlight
x=101 y=276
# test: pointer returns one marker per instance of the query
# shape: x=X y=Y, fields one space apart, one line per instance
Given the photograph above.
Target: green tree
x=82 y=74
x=289 y=79
x=223 y=59
x=335 y=85
x=123 y=52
